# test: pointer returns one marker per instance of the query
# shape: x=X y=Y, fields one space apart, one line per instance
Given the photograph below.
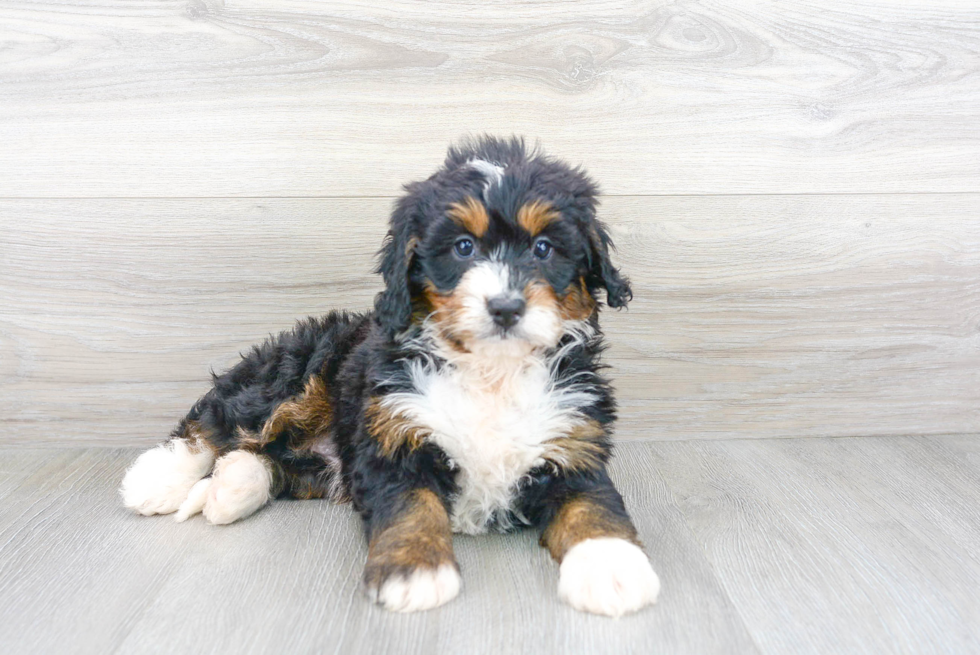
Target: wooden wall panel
x=755 y=316
x=169 y=98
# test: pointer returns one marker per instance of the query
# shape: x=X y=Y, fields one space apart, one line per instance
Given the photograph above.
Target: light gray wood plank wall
x=833 y=291
x=753 y=316
x=292 y=97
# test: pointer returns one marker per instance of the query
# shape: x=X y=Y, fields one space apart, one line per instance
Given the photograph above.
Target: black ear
x=601 y=270
x=393 y=306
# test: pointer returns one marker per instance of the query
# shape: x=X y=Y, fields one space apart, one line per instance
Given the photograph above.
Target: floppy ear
x=601 y=270
x=393 y=306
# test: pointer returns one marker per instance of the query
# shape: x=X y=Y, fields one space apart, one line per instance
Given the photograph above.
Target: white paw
x=194 y=503
x=241 y=483
x=159 y=479
x=607 y=576
x=423 y=589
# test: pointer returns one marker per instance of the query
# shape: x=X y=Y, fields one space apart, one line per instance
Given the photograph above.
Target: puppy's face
x=491 y=274
x=498 y=250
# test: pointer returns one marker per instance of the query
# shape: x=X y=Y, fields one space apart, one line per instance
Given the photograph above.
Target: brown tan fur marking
x=391 y=430
x=575 y=304
x=471 y=215
x=306 y=417
x=581 y=449
x=196 y=437
x=248 y=440
x=419 y=537
x=535 y=216
x=583 y=518
x=444 y=310
x=413 y=243
x=541 y=294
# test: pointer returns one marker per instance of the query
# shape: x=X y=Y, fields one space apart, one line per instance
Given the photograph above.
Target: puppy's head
x=500 y=248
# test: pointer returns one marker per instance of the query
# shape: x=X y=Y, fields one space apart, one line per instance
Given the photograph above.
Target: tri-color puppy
x=470 y=399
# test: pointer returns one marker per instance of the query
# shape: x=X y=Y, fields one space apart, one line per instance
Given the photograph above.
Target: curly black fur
x=358 y=358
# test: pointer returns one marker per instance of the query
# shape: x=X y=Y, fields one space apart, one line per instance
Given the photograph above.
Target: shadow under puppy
x=470 y=399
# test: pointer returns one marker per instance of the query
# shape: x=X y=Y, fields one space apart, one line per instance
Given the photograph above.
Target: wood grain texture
x=843 y=531
x=270 y=98
x=64 y=560
x=82 y=575
x=763 y=546
x=753 y=316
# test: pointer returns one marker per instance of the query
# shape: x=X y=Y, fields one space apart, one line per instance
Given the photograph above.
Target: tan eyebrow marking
x=535 y=216
x=470 y=214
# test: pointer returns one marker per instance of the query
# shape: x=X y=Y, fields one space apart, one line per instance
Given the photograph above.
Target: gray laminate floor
x=850 y=545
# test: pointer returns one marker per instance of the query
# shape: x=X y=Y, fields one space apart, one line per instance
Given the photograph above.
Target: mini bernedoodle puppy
x=471 y=398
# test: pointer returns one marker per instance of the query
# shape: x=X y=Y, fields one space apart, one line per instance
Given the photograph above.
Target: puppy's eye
x=464 y=247
x=543 y=249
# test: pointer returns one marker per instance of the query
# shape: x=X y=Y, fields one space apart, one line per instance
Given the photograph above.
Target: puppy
x=470 y=399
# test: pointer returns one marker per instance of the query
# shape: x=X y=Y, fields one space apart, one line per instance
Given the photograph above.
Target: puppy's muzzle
x=506 y=311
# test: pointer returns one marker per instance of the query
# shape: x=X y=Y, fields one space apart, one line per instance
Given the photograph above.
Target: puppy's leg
x=603 y=567
x=293 y=454
x=246 y=479
x=411 y=566
x=242 y=482
x=160 y=479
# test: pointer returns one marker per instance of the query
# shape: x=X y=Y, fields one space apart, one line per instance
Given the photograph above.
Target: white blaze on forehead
x=492 y=172
x=487 y=280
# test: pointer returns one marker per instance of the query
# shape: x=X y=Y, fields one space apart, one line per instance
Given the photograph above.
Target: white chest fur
x=494 y=432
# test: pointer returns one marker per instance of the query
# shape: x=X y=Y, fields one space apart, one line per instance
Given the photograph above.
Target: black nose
x=506 y=311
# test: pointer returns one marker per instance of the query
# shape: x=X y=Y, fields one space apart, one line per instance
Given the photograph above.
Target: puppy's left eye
x=543 y=249
x=464 y=247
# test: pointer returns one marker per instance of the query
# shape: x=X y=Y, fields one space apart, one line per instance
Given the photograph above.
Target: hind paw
x=241 y=484
x=160 y=479
x=194 y=503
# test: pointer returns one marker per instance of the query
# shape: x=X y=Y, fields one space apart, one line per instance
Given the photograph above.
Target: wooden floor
x=850 y=545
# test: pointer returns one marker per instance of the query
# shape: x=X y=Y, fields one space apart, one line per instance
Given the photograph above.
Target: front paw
x=607 y=576
x=412 y=590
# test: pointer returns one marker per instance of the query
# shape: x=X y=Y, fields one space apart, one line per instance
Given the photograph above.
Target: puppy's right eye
x=464 y=247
